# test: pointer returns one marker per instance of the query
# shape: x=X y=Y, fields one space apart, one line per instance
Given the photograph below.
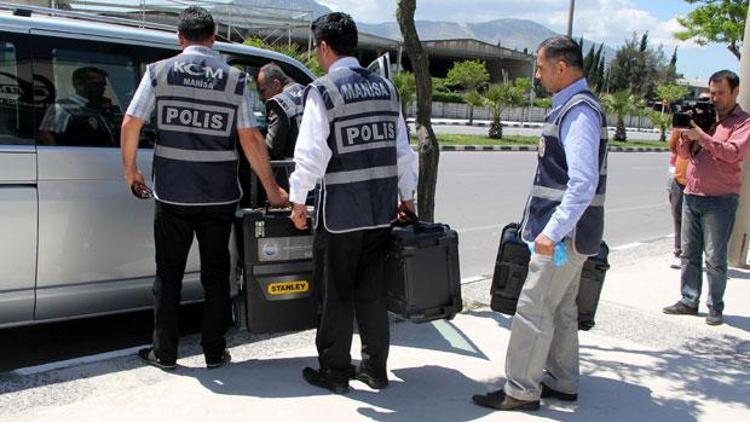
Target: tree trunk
x=429 y=153
x=471 y=114
x=620 y=132
x=736 y=51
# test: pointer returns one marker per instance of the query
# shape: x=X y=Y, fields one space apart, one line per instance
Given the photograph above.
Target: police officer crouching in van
x=201 y=106
x=283 y=99
x=352 y=137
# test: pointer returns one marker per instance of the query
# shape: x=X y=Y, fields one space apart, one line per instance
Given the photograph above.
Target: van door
x=96 y=244
x=18 y=182
x=381 y=66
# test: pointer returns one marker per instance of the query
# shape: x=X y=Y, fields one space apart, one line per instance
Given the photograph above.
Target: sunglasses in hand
x=141 y=191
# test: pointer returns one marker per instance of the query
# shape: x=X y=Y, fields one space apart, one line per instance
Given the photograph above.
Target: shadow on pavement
x=737 y=321
x=440 y=335
x=708 y=368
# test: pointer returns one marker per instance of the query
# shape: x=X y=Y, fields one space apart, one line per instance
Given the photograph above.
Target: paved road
x=472 y=130
x=478 y=193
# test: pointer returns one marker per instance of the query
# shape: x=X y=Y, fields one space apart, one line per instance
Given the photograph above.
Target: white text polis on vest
x=186 y=116
x=368 y=132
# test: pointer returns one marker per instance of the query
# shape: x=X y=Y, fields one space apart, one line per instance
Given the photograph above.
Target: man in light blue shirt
x=564 y=215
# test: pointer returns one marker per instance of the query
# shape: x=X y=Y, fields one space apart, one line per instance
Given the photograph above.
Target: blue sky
x=609 y=21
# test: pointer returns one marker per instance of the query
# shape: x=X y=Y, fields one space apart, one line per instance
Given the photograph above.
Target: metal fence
x=460 y=111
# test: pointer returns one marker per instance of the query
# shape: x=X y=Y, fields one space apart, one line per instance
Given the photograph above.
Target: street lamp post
x=570 y=18
x=738 y=246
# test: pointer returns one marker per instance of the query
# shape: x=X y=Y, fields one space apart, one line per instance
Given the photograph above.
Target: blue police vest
x=195 y=156
x=551 y=180
x=291 y=101
x=360 y=187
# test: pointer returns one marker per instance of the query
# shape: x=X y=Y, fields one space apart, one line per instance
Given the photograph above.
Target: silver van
x=73 y=241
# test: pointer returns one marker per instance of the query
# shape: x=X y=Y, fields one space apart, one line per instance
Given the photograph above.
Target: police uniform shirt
x=312 y=153
x=144 y=99
x=58 y=116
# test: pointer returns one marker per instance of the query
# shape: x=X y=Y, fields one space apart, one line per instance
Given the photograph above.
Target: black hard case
x=512 y=266
x=423 y=281
x=278 y=287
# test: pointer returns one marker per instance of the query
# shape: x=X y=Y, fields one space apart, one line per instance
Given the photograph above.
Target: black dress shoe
x=222 y=360
x=367 y=377
x=147 y=355
x=680 y=308
x=498 y=400
x=327 y=380
x=549 y=393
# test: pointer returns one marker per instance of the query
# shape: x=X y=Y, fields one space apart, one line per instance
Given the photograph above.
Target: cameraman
x=714 y=179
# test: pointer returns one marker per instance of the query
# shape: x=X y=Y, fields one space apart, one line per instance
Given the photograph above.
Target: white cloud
x=609 y=21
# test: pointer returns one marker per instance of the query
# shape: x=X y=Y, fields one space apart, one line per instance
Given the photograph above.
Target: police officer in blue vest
x=564 y=221
x=352 y=138
x=200 y=106
x=283 y=99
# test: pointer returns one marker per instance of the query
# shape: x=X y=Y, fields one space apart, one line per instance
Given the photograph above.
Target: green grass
x=517 y=140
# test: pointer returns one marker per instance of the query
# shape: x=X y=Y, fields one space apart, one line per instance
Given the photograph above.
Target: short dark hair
x=338 y=30
x=562 y=47
x=732 y=79
x=196 y=24
x=273 y=71
x=80 y=74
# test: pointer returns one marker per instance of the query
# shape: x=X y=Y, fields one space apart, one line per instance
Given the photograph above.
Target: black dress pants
x=174 y=227
x=352 y=266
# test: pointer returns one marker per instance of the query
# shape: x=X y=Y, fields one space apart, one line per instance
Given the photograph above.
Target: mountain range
x=519 y=34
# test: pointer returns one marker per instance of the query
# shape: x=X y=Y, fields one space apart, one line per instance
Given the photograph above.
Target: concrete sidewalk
x=637 y=364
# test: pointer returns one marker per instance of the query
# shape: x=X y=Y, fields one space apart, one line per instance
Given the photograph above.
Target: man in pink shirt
x=711 y=197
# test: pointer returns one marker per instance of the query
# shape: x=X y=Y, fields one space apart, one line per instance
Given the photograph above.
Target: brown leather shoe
x=498 y=400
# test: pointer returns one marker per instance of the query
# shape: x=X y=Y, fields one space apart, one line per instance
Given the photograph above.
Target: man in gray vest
x=564 y=220
x=283 y=99
x=201 y=105
x=353 y=137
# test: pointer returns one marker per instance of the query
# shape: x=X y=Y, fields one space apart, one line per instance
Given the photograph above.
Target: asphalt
x=636 y=364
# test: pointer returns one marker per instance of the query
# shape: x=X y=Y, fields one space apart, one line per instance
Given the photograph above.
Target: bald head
x=271 y=81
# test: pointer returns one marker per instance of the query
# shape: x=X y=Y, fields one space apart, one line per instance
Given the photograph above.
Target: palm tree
x=407 y=88
x=473 y=99
x=620 y=104
x=497 y=98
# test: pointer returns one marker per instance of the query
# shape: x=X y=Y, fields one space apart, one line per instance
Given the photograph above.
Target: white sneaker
x=676 y=263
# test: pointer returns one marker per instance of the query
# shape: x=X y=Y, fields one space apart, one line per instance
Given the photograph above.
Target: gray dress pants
x=544 y=334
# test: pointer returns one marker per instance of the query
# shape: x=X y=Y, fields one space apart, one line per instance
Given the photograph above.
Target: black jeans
x=352 y=266
x=174 y=226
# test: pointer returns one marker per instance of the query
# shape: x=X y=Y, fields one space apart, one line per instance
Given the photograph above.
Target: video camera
x=701 y=111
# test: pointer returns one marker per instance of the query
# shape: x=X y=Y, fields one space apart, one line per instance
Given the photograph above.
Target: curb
x=488 y=148
x=522 y=125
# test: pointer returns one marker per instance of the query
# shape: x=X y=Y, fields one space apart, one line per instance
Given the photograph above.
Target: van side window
x=15 y=98
x=92 y=89
x=259 y=108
